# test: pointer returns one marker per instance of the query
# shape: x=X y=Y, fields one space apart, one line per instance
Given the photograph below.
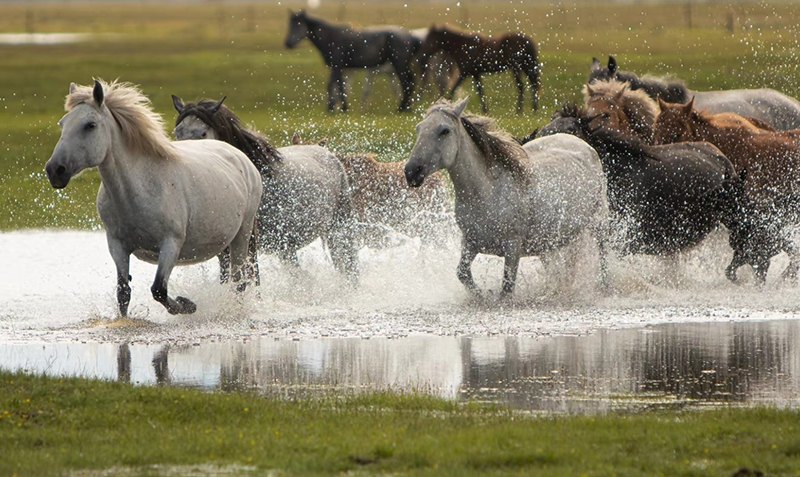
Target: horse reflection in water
x=306 y=192
x=511 y=201
x=166 y=203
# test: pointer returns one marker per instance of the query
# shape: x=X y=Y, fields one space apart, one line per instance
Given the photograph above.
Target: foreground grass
x=50 y=426
x=236 y=49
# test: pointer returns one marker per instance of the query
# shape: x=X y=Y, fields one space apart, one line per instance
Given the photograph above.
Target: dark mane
x=229 y=128
x=671 y=91
x=571 y=110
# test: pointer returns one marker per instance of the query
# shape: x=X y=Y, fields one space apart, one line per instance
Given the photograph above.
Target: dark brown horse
x=771 y=160
x=476 y=54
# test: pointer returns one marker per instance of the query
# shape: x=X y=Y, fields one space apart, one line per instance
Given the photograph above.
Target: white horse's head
x=437 y=141
x=191 y=126
x=86 y=137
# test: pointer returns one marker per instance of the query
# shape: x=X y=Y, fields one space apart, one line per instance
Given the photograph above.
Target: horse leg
x=224 y=266
x=791 y=270
x=736 y=262
x=761 y=270
x=520 y=91
x=332 y=91
x=406 y=77
x=479 y=87
x=461 y=78
x=240 y=256
x=533 y=77
x=252 y=256
x=167 y=258
x=342 y=91
x=122 y=260
x=464 y=272
x=369 y=81
x=510 y=267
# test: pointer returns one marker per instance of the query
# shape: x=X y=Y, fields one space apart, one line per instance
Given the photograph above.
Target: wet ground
x=668 y=334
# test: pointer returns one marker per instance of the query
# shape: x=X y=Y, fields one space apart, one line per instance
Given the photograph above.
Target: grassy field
x=50 y=426
x=213 y=49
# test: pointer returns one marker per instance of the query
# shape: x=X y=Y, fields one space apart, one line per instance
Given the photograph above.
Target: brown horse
x=628 y=111
x=476 y=54
x=380 y=194
x=771 y=161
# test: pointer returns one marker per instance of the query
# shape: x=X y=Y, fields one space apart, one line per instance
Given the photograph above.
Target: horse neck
x=120 y=171
x=319 y=32
x=471 y=177
x=452 y=41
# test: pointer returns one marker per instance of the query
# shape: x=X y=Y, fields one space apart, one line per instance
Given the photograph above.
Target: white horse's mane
x=497 y=146
x=142 y=128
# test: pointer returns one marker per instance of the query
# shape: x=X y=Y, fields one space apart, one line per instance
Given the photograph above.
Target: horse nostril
x=60 y=170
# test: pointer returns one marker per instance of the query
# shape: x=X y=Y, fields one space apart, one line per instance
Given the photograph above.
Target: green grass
x=215 y=49
x=49 y=426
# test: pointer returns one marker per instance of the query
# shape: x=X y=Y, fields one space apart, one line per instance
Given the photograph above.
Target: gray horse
x=306 y=193
x=511 y=201
x=774 y=108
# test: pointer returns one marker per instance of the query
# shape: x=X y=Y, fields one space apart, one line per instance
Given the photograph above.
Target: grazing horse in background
x=164 y=202
x=772 y=107
x=628 y=111
x=306 y=193
x=511 y=201
x=476 y=54
x=380 y=195
x=343 y=47
x=771 y=159
x=664 y=199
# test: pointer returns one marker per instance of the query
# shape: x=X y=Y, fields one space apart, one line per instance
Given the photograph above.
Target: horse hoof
x=186 y=306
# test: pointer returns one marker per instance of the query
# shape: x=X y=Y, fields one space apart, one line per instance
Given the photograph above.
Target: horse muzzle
x=415 y=174
x=57 y=174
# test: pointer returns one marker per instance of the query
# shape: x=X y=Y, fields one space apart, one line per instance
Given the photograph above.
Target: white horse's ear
x=178 y=103
x=461 y=106
x=97 y=93
x=596 y=64
x=218 y=105
x=72 y=88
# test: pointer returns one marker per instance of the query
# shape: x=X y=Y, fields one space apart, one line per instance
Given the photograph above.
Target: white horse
x=511 y=201
x=165 y=202
x=306 y=192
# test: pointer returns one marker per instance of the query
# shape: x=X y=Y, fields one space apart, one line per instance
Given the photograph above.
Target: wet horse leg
x=240 y=257
x=224 y=266
x=464 y=271
x=170 y=250
x=510 y=268
x=122 y=260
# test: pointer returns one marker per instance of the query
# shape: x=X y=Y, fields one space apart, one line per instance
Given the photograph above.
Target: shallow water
x=679 y=330
x=43 y=38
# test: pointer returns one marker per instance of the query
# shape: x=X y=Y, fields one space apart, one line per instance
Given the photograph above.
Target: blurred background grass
x=213 y=49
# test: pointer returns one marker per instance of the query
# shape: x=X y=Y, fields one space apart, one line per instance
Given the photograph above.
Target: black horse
x=343 y=47
x=663 y=199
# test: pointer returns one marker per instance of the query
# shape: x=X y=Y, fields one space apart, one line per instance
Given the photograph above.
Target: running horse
x=343 y=47
x=771 y=162
x=772 y=107
x=476 y=54
x=306 y=192
x=165 y=202
x=629 y=111
x=511 y=201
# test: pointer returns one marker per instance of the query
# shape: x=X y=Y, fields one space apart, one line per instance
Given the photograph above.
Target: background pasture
x=236 y=49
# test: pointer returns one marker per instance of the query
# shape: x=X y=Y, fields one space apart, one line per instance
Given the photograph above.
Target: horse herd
x=628 y=169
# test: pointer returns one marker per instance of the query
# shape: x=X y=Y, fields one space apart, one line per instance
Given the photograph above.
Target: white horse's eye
x=205 y=133
x=90 y=126
x=444 y=132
